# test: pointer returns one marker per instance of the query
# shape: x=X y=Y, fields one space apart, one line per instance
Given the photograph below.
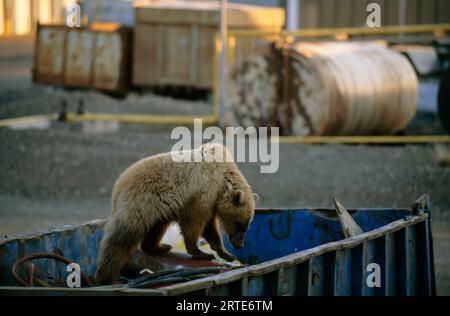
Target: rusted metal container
x=175 y=40
x=288 y=252
x=325 y=88
x=49 y=55
x=97 y=57
x=349 y=88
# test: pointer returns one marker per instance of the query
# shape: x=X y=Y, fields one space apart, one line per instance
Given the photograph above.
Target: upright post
x=223 y=59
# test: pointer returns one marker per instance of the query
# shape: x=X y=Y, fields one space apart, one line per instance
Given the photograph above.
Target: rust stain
x=315 y=278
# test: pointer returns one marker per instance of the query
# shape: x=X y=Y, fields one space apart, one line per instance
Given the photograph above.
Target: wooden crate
x=96 y=57
x=174 y=40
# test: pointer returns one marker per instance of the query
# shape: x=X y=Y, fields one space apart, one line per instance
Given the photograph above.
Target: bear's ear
x=238 y=197
x=256 y=197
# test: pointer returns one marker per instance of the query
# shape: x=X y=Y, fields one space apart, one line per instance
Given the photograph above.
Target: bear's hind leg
x=116 y=247
x=152 y=241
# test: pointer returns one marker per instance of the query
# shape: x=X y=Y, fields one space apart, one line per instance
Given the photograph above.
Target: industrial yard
x=63 y=173
x=55 y=173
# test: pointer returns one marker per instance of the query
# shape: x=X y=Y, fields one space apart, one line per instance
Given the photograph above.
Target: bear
x=157 y=191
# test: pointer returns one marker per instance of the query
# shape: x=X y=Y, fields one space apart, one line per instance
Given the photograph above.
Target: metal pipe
x=223 y=60
x=105 y=117
x=293 y=12
x=147 y=119
x=352 y=31
x=413 y=139
x=28 y=120
x=144 y=119
x=402 y=19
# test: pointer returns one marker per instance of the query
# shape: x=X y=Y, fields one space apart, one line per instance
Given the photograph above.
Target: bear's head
x=235 y=208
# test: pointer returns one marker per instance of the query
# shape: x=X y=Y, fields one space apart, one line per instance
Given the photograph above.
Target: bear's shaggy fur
x=156 y=191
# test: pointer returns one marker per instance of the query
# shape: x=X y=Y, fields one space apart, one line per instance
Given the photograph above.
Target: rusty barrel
x=326 y=88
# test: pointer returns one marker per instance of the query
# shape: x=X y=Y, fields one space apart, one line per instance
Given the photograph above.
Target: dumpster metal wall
x=402 y=249
x=399 y=240
x=289 y=231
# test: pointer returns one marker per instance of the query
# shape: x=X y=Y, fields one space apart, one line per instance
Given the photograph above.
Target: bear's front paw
x=227 y=256
x=203 y=256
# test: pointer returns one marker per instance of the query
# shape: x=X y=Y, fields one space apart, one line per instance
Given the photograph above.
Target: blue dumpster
x=287 y=252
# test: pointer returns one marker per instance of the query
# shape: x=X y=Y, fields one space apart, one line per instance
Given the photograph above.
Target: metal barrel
x=326 y=88
x=364 y=88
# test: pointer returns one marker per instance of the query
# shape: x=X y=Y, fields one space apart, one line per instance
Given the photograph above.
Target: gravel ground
x=63 y=173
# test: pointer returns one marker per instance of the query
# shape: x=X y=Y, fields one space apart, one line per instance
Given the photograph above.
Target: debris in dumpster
x=142 y=264
x=174 y=276
x=168 y=261
x=146 y=271
x=349 y=226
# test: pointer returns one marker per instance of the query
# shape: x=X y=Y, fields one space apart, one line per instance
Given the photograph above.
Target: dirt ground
x=59 y=173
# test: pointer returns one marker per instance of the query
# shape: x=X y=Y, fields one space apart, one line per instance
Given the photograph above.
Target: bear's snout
x=237 y=240
x=237 y=245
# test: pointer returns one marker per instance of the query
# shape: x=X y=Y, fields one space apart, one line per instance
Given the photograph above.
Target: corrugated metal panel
x=107 y=67
x=443 y=11
x=352 y=13
x=49 y=55
x=79 y=57
x=389 y=262
x=344 y=13
x=327 y=11
x=342 y=273
x=427 y=11
x=309 y=14
x=22 y=17
x=206 y=13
